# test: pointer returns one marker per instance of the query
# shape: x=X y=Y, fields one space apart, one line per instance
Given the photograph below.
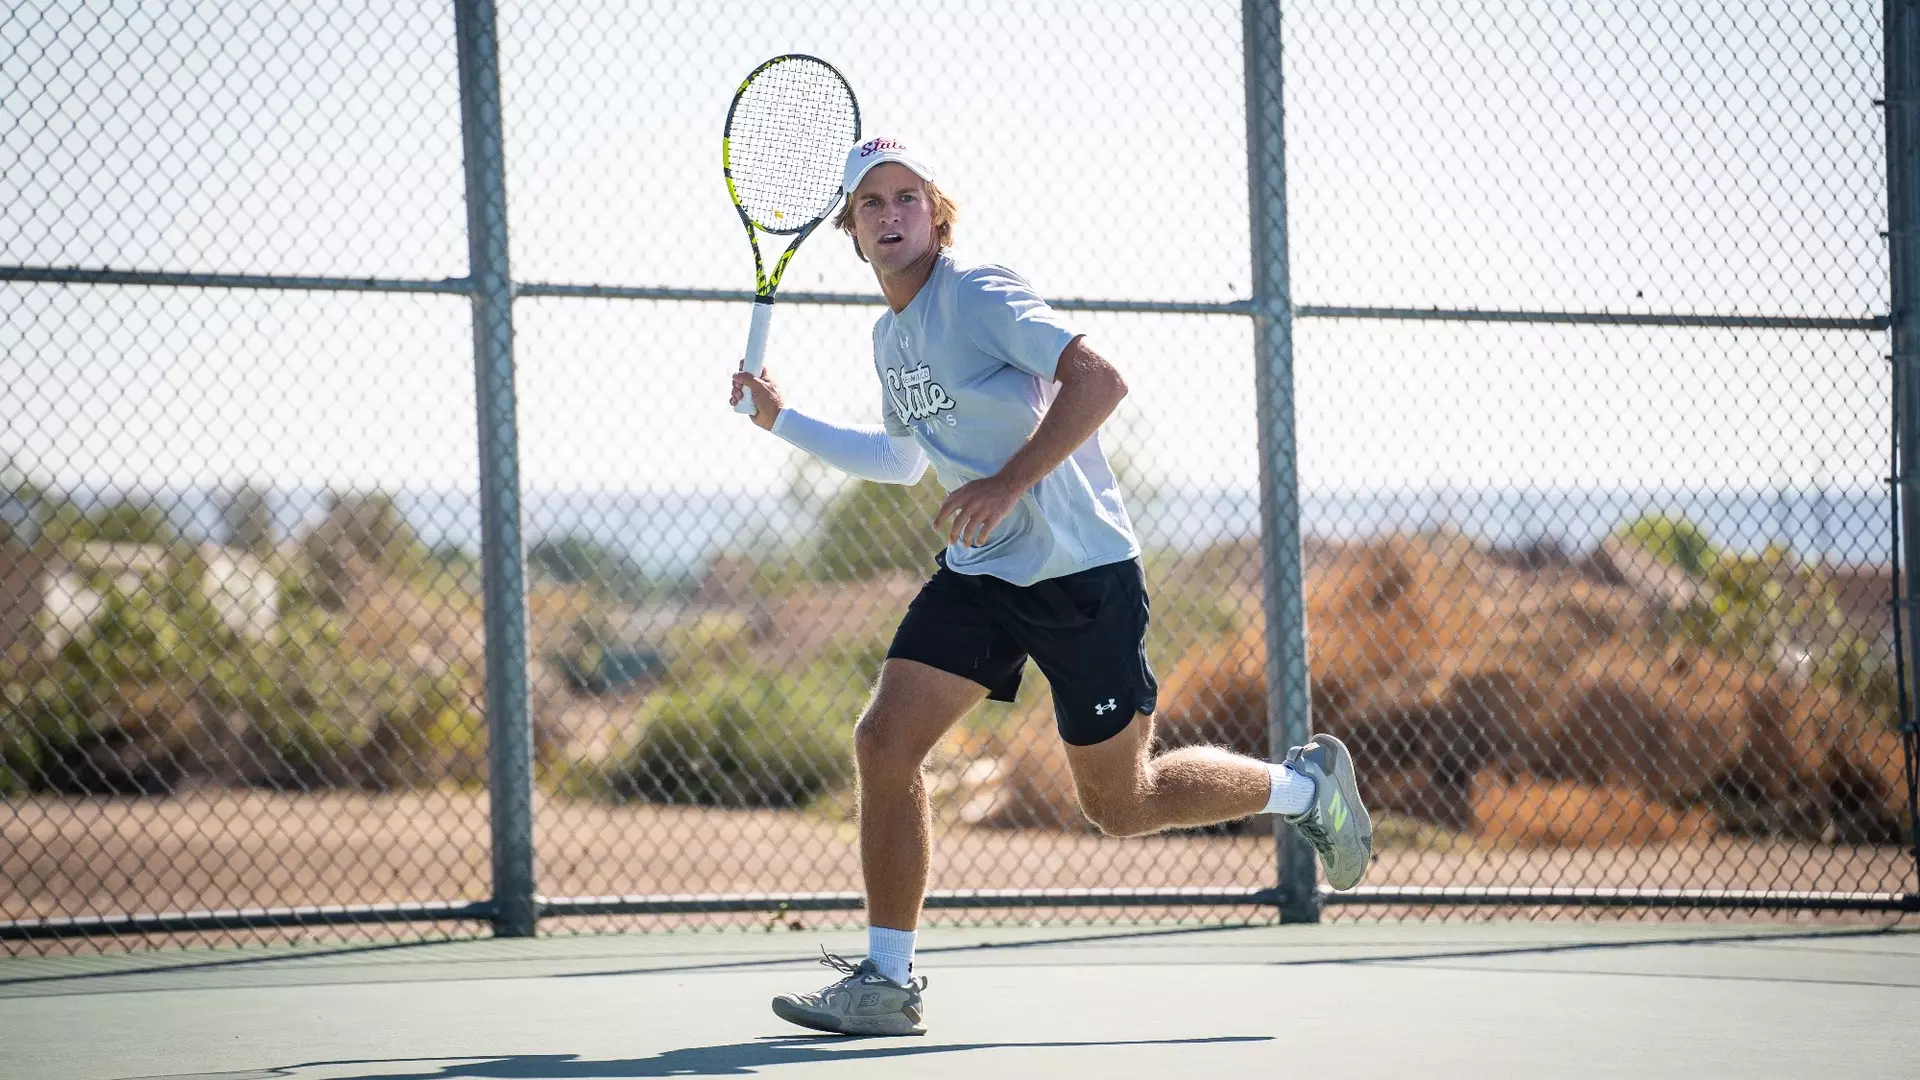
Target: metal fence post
x=509 y=730
x=1288 y=720
x=1901 y=29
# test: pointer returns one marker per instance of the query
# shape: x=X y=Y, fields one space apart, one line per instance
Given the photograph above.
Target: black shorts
x=1086 y=633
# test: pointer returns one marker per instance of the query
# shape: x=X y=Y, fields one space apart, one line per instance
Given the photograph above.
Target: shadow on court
x=730 y=1059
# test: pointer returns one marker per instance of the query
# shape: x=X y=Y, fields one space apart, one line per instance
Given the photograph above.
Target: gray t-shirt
x=967 y=370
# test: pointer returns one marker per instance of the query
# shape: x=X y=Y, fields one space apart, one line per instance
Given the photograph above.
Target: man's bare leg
x=912 y=709
x=1127 y=793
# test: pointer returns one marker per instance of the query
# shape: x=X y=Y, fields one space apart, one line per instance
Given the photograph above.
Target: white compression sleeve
x=866 y=451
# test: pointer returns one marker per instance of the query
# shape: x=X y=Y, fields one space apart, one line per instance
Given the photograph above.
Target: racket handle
x=756 y=349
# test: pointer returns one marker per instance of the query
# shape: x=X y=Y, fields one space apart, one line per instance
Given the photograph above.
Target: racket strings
x=787 y=139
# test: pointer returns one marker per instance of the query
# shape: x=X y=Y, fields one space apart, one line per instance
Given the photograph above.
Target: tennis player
x=982 y=379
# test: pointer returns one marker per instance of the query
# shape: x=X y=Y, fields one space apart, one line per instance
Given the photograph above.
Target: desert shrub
x=247 y=517
x=1198 y=613
x=1771 y=609
x=696 y=648
x=872 y=528
x=127 y=690
x=382 y=729
x=575 y=560
x=1673 y=540
x=322 y=715
x=154 y=679
x=748 y=740
x=126 y=522
x=364 y=529
x=311 y=710
x=19 y=746
x=857 y=661
x=424 y=730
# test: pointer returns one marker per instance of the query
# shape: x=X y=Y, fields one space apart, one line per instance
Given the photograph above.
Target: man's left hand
x=970 y=514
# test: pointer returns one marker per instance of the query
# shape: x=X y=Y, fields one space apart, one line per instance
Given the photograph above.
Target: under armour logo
x=1102 y=710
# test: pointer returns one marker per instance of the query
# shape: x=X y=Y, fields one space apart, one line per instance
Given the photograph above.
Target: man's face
x=891 y=217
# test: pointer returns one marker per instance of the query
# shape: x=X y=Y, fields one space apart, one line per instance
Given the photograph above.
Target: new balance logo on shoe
x=1102 y=710
x=862 y=1002
x=1337 y=809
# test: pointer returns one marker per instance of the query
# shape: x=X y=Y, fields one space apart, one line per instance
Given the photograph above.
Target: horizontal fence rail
x=461 y=286
x=777 y=904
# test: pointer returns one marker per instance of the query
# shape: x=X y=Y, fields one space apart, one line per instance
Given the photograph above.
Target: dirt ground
x=223 y=848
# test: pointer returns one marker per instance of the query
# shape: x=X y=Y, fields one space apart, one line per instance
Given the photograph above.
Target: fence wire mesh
x=1612 y=600
x=239 y=643
x=1597 y=605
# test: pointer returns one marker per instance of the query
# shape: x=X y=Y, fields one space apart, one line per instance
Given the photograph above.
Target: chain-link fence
x=1565 y=362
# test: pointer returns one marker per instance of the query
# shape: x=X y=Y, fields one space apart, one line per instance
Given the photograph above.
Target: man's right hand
x=767 y=400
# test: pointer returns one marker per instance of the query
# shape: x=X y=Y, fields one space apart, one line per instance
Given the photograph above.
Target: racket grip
x=756 y=349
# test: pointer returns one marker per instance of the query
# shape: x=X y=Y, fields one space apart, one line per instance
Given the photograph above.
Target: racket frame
x=767 y=285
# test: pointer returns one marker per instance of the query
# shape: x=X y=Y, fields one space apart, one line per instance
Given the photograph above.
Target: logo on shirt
x=915 y=395
x=1102 y=710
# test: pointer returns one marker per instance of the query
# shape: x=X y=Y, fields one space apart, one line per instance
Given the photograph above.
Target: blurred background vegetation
x=368 y=673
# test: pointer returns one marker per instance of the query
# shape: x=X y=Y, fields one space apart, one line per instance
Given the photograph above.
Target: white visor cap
x=873 y=152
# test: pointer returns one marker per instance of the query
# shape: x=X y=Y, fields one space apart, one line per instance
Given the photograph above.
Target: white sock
x=1290 y=792
x=892 y=950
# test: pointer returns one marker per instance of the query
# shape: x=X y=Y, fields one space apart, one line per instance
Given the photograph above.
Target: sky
x=1690 y=157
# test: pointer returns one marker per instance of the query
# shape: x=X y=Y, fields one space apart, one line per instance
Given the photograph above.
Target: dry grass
x=1435 y=662
x=1554 y=815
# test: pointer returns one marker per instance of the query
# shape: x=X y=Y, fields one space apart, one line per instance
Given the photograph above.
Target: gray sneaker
x=864 y=1003
x=1336 y=824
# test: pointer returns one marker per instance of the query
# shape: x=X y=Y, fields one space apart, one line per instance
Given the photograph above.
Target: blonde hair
x=946 y=213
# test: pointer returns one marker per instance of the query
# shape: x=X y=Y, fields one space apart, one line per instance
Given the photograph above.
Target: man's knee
x=881 y=748
x=1116 y=811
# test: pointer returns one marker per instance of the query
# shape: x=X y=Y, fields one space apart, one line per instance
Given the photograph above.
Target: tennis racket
x=788 y=132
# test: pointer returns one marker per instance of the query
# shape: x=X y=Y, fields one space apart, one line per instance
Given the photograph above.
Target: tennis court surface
x=1351 y=1000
